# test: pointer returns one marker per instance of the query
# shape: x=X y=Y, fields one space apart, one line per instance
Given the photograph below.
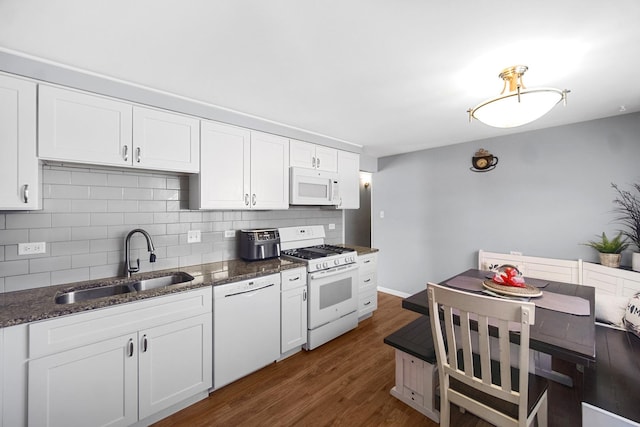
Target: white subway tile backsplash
x=69 y=276
x=58 y=234
x=89 y=206
x=70 y=219
x=52 y=263
x=88 y=233
x=27 y=281
x=28 y=220
x=9 y=237
x=88 y=178
x=105 y=193
x=87 y=212
x=137 y=193
x=88 y=260
x=13 y=268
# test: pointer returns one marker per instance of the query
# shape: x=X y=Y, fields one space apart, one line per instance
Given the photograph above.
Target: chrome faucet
x=128 y=269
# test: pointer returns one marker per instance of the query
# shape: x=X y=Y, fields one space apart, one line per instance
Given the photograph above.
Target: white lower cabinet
x=293 y=309
x=120 y=365
x=368 y=285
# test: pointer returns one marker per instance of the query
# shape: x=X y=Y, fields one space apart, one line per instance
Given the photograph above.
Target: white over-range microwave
x=313 y=187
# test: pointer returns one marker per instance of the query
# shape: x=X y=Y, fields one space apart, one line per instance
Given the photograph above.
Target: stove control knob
x=325 y=264
x=336 y=262
x=318 y=266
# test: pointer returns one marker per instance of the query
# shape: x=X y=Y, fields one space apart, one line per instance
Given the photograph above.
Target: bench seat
x=613 y=384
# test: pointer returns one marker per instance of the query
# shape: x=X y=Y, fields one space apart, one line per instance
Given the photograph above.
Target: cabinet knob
x=125 y=153
x=25 y=192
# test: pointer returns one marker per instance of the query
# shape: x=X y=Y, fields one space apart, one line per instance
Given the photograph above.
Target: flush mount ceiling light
x=516 y=104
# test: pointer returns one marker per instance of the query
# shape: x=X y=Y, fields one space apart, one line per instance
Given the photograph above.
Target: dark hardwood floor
x=345 y=382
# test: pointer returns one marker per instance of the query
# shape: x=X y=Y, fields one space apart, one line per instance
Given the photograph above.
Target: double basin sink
x=122 y=288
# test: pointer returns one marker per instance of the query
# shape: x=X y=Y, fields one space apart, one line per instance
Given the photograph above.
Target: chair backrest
x=488 y=313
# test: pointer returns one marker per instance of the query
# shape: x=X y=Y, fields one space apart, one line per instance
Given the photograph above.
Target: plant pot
x=635 y=261
x=610 y=260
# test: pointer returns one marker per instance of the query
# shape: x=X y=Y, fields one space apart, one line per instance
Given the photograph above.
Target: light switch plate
x=332 y=226
x=193 y=236
x=229 y=233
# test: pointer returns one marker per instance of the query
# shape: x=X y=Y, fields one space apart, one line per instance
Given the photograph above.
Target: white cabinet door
x=311 y=156
x=78 y=127
x=326 y=159
x=175 y=363
x=349 y=179
x=93 y=385
x=269 y=171
x=293 y=318
x=224 y=178
x=19 y=169
x=166 y=141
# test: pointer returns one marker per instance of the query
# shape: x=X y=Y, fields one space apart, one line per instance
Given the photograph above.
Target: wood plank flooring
x=345 y=382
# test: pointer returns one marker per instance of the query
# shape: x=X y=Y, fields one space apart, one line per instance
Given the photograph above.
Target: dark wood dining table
x=561 y=335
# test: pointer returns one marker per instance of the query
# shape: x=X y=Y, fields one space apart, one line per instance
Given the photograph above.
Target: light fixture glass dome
x=519 y=105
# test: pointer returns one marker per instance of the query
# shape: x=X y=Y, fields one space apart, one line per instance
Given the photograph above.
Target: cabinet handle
x=26 y=193
x=246 y=199
x=367 y=281
x=253 y=199
x=145 y=343
x=125 y=155
x=369 y=302
x=304 y=295
x=366 y=261
x=318 y=162
x=130 y=345
x=293 y=279
x=138 y=154
x=313 y=161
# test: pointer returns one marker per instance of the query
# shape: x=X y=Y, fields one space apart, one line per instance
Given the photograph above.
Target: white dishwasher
x=246 y=327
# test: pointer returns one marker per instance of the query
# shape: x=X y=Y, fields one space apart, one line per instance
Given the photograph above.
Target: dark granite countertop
x=362 y=250
x=38 y=304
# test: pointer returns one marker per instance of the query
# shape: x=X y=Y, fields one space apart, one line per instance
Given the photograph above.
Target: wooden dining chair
x=483 y=383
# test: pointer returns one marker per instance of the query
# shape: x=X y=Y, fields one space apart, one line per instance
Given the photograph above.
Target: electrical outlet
x=32 y=248
x=193 y=236
x=229 y=233
x=332 y=226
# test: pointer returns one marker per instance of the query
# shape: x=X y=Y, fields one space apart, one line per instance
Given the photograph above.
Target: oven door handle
x=333 y=271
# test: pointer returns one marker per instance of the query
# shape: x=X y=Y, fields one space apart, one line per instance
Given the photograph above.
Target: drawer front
x=368 y=263
x=368 y=282
x=367 y=303
x=67 y=332
x=293 y=278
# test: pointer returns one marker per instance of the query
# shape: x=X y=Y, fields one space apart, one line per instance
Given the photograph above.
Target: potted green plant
x=628 y=210
x=609 y=249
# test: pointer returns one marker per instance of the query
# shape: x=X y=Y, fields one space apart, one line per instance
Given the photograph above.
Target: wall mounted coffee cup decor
x=483 y=161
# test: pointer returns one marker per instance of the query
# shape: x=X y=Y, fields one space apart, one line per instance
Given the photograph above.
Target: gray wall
x=357 y=222
x=88 y=212
x=550 y=193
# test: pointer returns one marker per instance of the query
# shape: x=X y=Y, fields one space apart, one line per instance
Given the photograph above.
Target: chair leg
x=445 y=410
x=541 y=416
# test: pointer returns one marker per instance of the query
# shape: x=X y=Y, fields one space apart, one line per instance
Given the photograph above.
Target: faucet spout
x=127 y=241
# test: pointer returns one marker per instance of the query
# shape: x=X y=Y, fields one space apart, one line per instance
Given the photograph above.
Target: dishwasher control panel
x=246 y=286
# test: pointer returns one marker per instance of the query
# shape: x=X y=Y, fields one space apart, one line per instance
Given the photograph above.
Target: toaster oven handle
x=278 y=249
x=261 y=251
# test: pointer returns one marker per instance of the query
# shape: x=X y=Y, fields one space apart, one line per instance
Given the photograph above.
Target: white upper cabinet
x=349 y=179
x=307 y=155
x=165 y=141
x=19 y=168
x=269 y=171
x=240 y=169
x=79 y=127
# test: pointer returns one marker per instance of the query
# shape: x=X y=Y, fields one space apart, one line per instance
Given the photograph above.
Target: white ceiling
x=392 y=76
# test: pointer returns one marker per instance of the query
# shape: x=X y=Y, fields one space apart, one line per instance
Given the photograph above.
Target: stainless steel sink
x=93 y=293
x=161 y=282
x=122 y=288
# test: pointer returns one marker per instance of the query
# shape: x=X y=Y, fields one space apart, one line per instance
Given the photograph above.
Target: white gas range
x=332 y=281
